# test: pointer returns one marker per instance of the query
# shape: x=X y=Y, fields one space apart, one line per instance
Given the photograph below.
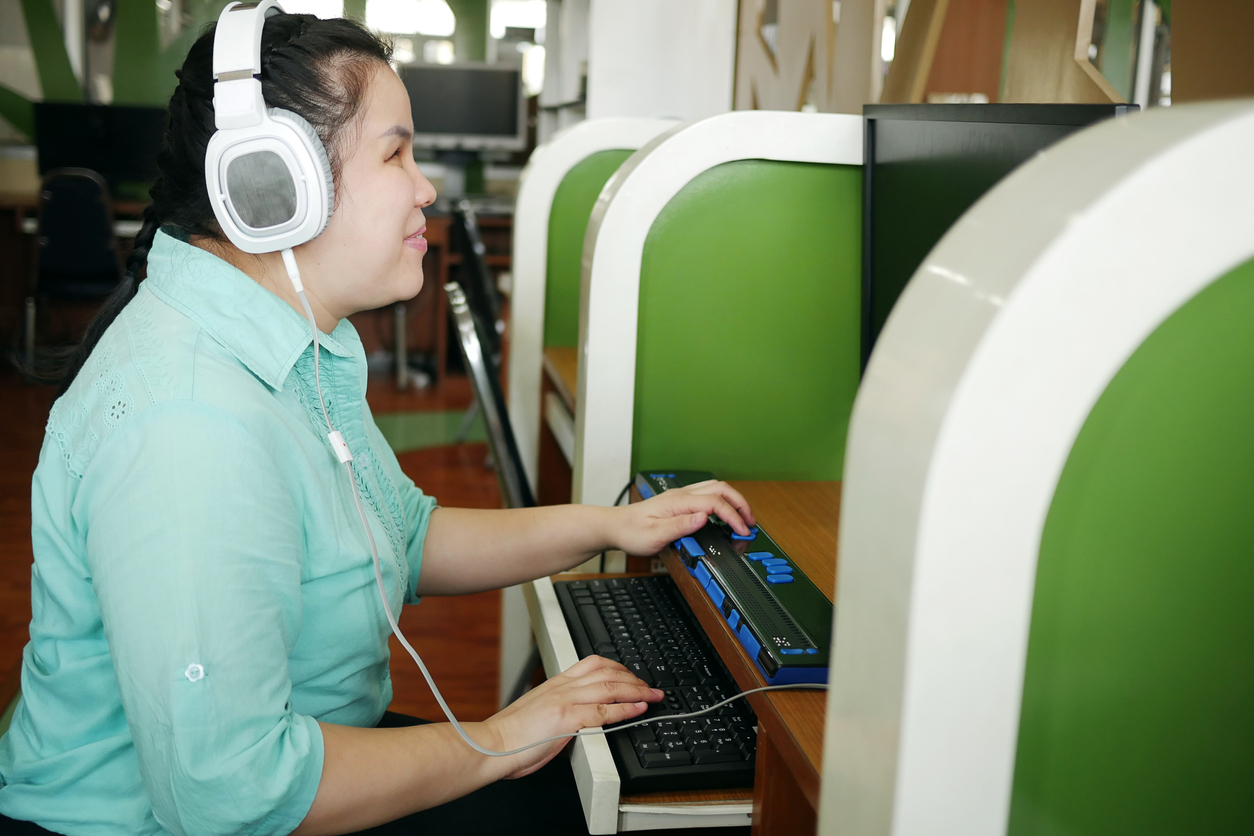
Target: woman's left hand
x=645 y=528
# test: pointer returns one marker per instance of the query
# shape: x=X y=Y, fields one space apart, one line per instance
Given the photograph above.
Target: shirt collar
x=262 y=330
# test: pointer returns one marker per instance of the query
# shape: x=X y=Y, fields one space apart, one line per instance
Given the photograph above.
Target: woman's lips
x=417 y=241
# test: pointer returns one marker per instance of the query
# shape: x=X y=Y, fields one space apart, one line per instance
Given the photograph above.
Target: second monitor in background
x=467 y=107
x=119 y=143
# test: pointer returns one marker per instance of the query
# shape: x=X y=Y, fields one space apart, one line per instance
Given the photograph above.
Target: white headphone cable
x=341 y=451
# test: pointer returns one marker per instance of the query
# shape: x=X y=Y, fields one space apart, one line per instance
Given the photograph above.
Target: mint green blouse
x=202 y=590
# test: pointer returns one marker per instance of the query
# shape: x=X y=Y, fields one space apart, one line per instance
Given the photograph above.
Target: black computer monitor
x=467 y=106
x=926 y=165
x=119 y=143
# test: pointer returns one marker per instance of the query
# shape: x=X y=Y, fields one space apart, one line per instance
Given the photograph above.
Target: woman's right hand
x=592 y=692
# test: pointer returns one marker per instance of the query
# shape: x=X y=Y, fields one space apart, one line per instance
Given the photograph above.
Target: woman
x=208 y=649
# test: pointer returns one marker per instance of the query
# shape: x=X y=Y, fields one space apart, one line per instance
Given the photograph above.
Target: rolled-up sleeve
x=195 y=546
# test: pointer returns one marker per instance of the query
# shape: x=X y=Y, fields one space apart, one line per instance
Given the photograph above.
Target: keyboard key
x=791 y=651
x=678 y=758
x=759 y=555
x=641 y=670
x=663 y=676
x=777 y=570
x=647 y=747
x=774 y=561
x=701 y=756
x=642 y=734
x=753 y=533
x=779 y=578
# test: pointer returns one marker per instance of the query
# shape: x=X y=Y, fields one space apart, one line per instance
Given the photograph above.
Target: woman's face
x=370 y=254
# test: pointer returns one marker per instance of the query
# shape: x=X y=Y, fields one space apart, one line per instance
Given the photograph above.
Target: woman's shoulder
x=152 y=354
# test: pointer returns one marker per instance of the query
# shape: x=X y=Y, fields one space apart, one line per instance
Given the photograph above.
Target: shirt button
x=195 y=672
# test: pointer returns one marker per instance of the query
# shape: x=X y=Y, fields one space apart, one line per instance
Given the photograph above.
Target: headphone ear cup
x=317 y=153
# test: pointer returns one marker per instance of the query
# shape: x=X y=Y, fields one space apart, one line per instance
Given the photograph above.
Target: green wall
x=568 y=223
x=747 y=360
x=1138 y=708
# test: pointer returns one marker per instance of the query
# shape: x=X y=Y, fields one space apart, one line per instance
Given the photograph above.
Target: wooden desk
x=803 y=517
x=561 y=367
x=561 y=380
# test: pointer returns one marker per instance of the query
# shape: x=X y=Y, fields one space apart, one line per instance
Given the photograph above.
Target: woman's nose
x=424 y=193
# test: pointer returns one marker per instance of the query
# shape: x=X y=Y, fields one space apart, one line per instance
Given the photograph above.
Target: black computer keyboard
x=646 y=625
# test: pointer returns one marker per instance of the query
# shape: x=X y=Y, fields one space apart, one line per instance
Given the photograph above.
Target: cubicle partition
x=555 y=198
x=719 y=310
x=559 y=187
x=718 y=328
x=1043 y=615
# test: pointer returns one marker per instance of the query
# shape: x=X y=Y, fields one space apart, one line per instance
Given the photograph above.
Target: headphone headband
x=237 y=100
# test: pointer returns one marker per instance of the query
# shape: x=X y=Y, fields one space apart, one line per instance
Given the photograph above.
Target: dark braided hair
x=318 y=69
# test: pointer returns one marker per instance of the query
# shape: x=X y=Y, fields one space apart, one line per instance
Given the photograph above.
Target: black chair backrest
x=486 y=379
x=77 y=249
x=475 y=277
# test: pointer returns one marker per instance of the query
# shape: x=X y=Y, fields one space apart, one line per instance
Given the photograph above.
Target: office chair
x=77 y=258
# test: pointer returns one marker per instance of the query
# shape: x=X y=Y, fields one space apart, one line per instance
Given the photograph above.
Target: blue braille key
x=702 y=573
x=774 y=561
x=733 y=619
x=778 y=570
x=791 y=651
x=715 y=592
x=812 y=650
x=779 y=578
x=753 y=533
x=759 y=555
x=692 y=547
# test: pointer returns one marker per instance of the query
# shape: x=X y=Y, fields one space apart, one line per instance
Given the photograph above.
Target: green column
x=355 y=9
x=52 y=62
x=470 y=40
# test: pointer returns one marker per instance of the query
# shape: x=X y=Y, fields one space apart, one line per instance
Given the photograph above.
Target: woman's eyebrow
x=398 y=130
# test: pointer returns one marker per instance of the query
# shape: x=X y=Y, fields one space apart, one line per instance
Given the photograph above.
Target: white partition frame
x=540 y=180
x=982 y=378
x=621 y=220
x=538 y=185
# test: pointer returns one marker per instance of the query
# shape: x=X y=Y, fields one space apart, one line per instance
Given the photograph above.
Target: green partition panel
x=1138 y=706
x=568 y=222
x=747 y=355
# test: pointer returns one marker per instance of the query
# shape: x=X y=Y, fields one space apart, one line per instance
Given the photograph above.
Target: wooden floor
x=458 y=638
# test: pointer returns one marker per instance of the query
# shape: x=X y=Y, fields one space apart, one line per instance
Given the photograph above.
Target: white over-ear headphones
x=267 y=171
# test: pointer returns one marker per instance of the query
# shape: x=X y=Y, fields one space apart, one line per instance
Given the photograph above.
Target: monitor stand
x=463 y=172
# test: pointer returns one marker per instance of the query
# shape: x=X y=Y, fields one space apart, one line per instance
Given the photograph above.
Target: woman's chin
x=410 y=288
